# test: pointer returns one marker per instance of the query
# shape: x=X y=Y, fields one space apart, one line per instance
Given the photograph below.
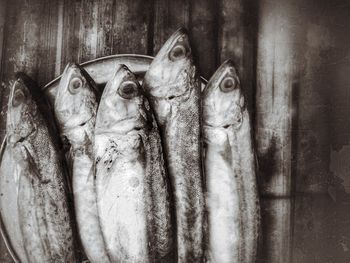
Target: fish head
x=22 y=114
x=223 y=99
x=76 y=98
x=123 y=107
x=172 y=68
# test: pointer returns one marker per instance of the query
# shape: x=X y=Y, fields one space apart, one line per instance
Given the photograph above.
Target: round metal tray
x=102 y=69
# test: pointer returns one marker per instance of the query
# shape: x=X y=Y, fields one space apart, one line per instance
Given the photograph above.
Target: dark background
x=293 y=58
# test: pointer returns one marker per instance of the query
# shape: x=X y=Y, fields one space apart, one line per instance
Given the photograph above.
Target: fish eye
x=18 y=98
x=128 y=90
x=228 y=84
x=74 y=85
x=178 y=52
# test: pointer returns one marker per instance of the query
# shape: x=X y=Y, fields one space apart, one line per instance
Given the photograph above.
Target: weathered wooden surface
x=275 y=74
x=276 y=238
x=293 y=58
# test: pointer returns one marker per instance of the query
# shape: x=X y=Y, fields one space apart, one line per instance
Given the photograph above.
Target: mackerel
x=75 y=108
x=132 y=189
x=9 y=218
x=173 y=87
x=43 y=205
x=232 y=199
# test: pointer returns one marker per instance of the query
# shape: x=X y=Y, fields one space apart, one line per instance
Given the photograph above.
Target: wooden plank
x=169 y=16
x=275 y=243
x=131 y=26
x=275 y=113
x=323 y=119
x=70 y=24
x=321 y=213
x=236 y=39
x=87 y=48
x=48 y=33
x=86 y=31
x=203 y=27
x=104 y=28
x=276 y=72
x=2 y=23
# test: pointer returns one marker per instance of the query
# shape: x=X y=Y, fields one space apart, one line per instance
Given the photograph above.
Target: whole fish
x=173 y=88
x=43 y=206
x=75 y=108
x=232 y=200
x=131 y=182
x=10 y=229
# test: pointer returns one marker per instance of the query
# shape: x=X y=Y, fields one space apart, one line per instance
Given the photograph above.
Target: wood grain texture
x=275 y=75
x=323 y=97
x=105 y=28
x=168 y=16
x=236 y=39
x=2 y=23
x=131 y=22
x=203 y=27
x=275 y=243
x=70 y=46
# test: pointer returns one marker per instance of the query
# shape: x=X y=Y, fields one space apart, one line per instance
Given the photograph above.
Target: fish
x=230 y=169
x=133 y=198
x=43 y=204
x=173 y=87
x=75 y=110
x=10 y=229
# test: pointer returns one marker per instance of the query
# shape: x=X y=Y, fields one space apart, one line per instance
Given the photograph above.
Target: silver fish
x=75 y=108
x=173 y=88
x=10 y=229
x=43 y=206
x=132 y=190
x=232 y=200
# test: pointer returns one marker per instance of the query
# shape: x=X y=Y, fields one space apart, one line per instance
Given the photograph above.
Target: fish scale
x=131 y=180
x=173 y=87
x=75 y=108
x=43 y=206
x=232 y=200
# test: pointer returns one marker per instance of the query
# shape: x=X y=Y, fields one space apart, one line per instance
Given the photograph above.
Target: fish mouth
x=85 y=122
x=159 y=95
x=225 y=126
x=72 y=126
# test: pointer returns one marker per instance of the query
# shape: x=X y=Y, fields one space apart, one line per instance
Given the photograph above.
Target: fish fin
x=3 y=147
x=91 y=175
x=31 y=163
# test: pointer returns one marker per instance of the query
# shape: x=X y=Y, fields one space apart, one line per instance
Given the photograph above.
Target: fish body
x=43 y=207
x=173 y=88
x=75 y=108
x=131 y=182
x=9 y=172
x=232 y=199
